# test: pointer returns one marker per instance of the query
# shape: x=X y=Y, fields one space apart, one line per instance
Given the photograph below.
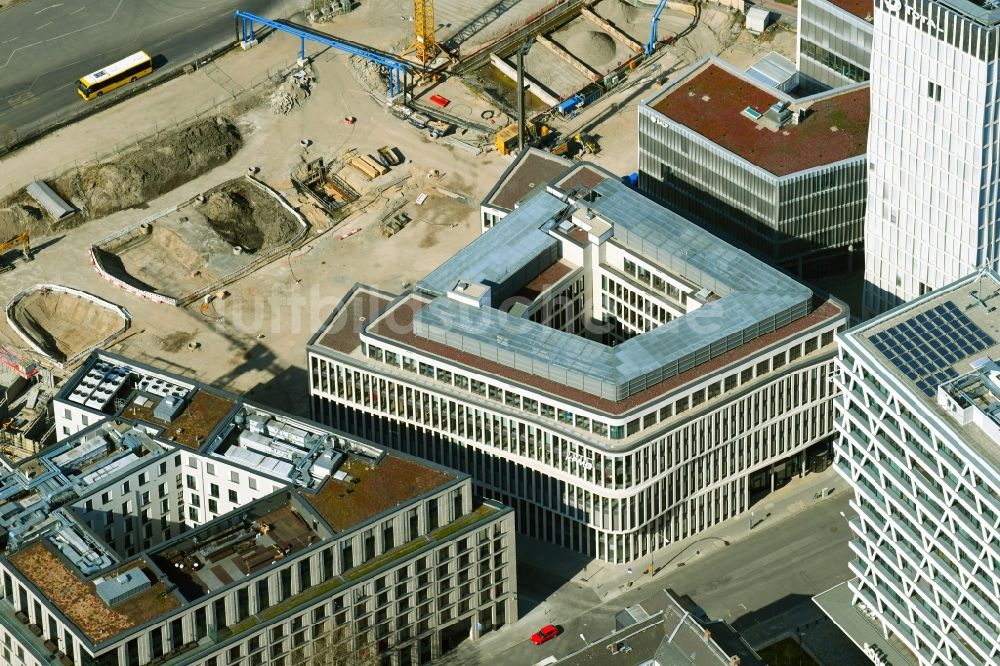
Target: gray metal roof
x=497 y=256
x=755 y=298
x=113 y=591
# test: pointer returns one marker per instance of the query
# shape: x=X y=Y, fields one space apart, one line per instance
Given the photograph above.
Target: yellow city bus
x=124 y=71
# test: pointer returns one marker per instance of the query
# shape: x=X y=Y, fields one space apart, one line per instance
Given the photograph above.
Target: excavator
x=25 y=245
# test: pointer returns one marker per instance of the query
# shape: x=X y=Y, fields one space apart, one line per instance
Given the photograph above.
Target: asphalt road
x=762 y=584
x=47 y=45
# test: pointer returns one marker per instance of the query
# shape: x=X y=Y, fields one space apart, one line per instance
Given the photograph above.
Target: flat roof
x=203 y=413
x=980 y=11
x=533 y=168
x=342 y=333
x=373 y=488
x=670 y=635
x=229 y=549
x=77 y=599
x=936 y=338
x=399 y=330
x=863 y=9
x=754 y=298
x=710 y=101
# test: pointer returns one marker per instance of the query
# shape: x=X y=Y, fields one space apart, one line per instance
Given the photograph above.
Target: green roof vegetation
x=479 y=513
x=386 y=558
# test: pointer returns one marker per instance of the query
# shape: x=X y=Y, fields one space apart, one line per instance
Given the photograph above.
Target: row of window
x=530 y=441
x=363 y=388
x=652 y=280
x=833 y=61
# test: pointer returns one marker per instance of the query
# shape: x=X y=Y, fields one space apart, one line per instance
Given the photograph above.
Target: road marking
x=92 y=25
x=71 y=32
x=44 y=25
x=12 y=39
x=20 y=99
x=76 y=11
x=49 y=7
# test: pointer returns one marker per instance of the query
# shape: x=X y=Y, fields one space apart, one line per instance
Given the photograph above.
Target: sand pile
x=156 y=165
x=20 y=213
x=620 y=13
x=246 y=216
x=598 y=47
x=65 y=324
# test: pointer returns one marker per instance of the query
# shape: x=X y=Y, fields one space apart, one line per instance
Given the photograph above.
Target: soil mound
x=618 y=12
x=599 y=47
x=244 y=215
x=156 y=165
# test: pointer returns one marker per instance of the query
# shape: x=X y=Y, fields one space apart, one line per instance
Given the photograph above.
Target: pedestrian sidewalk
x=611 y=580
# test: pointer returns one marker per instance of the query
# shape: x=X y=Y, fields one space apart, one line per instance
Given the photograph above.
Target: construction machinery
x=424 y=43
x=506 y=140
x=588 y=142
x=24 y=242
x=651 y=44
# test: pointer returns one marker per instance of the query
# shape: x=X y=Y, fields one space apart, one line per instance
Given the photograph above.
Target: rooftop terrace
x=230 y=549
x=754 y=298
x=78 y=601
x=400 y=330
x=710 y=100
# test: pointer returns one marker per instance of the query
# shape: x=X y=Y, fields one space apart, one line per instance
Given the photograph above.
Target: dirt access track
x=63 y=323
x=202 y=245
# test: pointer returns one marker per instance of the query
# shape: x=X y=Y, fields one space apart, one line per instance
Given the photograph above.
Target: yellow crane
x=423 y=23
x=23 y=241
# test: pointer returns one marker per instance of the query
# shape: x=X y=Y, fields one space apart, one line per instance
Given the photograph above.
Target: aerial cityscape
x=500 y=332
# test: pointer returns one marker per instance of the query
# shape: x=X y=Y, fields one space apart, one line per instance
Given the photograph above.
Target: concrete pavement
x=47 y=45
x=760 y=579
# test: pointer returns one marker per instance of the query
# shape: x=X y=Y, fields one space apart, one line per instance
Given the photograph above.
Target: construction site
x=216 y=244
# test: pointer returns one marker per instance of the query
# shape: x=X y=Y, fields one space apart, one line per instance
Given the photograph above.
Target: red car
x=546 y=633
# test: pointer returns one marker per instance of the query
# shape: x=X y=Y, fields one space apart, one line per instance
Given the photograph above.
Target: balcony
x=34 y=643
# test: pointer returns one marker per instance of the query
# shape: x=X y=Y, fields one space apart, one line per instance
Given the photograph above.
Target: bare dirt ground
x=65 y=324
x=254 y=339
x=199 y=244
x=247 y=217
x=150 y=168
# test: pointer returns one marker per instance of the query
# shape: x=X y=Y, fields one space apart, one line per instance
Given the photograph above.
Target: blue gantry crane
x=397 y=68
x=651 y=44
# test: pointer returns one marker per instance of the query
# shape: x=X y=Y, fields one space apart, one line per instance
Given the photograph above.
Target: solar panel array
x=925 y=346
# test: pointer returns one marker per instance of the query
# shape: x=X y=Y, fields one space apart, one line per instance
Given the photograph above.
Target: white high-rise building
x=920 y=445
x=933 y=147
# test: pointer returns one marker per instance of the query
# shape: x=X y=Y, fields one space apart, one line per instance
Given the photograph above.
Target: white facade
x=397 y=579
x=925 y=469
x=612 y=478
x=933 y=148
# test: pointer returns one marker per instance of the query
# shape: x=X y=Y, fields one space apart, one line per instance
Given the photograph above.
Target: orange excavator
x=25 y=244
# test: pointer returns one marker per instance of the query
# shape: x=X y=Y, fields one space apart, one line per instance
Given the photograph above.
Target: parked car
x=546 y=633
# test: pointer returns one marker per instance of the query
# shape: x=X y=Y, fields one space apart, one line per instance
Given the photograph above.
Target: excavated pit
x=61 y=323
x=207 y=242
